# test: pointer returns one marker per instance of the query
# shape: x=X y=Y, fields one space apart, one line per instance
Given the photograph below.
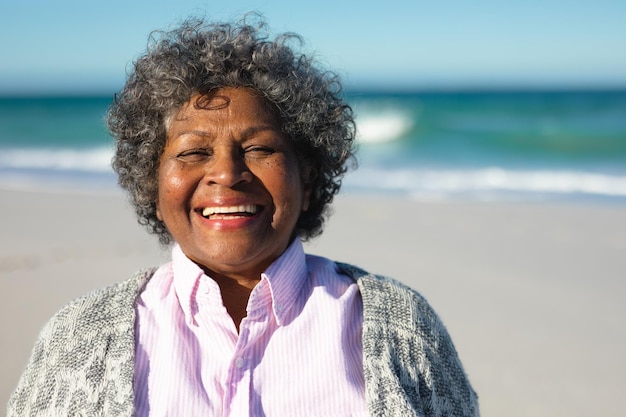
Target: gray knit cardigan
x=83 y=362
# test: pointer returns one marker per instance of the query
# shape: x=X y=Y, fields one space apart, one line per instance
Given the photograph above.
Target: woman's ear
x=309 y=174
x=158 y=211
x=306 y=197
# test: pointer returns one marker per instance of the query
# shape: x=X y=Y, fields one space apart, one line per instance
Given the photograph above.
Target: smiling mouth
x=233 y=212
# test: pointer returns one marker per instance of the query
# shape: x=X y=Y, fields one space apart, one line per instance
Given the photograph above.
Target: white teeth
x=246 y=208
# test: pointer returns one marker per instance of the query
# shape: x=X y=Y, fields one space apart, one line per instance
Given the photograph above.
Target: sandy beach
x=533 y=295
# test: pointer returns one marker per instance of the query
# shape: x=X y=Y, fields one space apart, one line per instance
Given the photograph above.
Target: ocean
x=532 y=146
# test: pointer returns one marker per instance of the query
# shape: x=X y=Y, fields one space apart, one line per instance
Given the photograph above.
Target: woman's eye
x=260 y=150
x=193 y=155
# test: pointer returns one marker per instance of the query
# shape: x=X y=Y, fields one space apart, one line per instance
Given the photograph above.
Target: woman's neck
x=235 y=296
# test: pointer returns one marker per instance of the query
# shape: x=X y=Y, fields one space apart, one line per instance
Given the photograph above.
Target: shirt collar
x=284 y=277
x=187 y=276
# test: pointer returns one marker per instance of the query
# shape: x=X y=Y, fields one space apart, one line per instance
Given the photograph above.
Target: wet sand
x=533 y=295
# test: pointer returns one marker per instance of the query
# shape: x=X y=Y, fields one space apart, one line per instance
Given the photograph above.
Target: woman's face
x=230 y=187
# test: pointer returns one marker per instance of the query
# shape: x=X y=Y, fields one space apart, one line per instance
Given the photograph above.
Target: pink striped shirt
x=298 y=351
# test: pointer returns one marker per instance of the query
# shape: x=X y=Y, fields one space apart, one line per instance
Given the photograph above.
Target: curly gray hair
x=198 y=58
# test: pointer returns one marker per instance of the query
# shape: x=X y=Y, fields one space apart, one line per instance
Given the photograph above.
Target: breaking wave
x=384 y=127
x=449 y=183
x=89 y=160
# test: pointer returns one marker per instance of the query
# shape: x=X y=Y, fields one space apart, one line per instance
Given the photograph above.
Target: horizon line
x=363 y=89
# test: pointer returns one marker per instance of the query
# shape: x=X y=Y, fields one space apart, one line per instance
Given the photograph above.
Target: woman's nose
x=228 y=168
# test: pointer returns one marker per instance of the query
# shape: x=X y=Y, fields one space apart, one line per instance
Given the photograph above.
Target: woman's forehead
x=241 y=104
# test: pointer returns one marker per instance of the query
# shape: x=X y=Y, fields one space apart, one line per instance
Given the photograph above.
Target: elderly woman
x=231 y=147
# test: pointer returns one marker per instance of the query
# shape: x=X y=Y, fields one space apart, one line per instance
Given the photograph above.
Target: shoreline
x=443 y=184
x=532 y=294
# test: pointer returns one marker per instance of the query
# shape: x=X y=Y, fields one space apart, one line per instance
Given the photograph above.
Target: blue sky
x=78 y=45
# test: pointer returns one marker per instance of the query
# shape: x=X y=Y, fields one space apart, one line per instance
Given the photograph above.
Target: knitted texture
x=410 y=364
x=83 y=362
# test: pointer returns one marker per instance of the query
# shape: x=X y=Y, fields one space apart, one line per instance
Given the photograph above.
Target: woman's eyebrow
x=252 y=130
x=195 y=132
x=244 y=134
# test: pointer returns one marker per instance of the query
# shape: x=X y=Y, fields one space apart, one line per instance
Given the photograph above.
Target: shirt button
x=239 y=363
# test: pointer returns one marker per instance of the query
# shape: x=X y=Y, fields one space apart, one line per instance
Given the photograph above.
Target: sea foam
x=384 y=127
x=467 y=182
x=89 y=159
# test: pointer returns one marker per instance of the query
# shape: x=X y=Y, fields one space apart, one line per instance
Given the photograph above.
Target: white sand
x=532 y=295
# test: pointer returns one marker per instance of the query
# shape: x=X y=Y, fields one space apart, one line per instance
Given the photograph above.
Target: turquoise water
x=523 y=146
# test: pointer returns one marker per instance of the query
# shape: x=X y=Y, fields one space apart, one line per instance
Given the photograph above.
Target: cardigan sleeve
x=83 y=360
x=34 y=391
x=411 y=366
